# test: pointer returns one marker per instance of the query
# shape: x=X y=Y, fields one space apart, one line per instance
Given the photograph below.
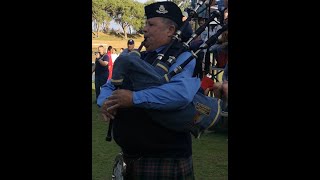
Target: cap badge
x=162 y=10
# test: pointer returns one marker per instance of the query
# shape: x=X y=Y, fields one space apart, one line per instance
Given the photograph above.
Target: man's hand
x=107 y=114
x=120 y=98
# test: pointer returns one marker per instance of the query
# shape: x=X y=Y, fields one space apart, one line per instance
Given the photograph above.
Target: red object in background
x=110 y=65
x=207 y=83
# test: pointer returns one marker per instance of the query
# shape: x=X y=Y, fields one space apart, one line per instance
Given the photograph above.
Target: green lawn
x=210 y=152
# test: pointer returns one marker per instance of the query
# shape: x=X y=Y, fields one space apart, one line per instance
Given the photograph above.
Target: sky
x=142 y=1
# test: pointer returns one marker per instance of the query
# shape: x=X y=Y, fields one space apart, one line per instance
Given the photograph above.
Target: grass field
x=210 y=152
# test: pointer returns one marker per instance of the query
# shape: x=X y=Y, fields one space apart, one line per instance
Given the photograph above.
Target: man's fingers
x=108 y=115
x=104 y=110
x=116 y=92
x=110 y=102
x=114 y=95
x=113 y=108
x=105 y=118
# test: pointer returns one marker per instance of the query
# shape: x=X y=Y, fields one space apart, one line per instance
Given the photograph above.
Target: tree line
x=126 y=13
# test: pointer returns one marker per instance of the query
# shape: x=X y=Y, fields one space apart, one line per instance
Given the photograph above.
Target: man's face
x=101 y=50
x=130 y=47
x=157 y=33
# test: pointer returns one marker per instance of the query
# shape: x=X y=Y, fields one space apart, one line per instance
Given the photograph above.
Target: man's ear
x=172 y=30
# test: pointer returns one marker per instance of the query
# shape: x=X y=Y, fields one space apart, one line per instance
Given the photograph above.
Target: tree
x=149 y=2
x=98 y=13
x=127 y=13
x=138 y=16
x=182 y=3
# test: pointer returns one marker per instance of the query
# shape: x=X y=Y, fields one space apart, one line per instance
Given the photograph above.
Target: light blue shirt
x=175 y=94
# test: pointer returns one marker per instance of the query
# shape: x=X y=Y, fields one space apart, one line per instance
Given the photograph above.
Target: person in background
x=220 y=89
x=110 y=64
x=188 y=31
x=204 y=10
x=114 y=54
x=101 y=69
x=121 y=50
x=130 y=48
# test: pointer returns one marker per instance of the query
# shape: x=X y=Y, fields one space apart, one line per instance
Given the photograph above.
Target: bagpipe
x=202 y=113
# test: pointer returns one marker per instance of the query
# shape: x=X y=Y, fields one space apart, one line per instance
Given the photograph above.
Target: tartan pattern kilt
x=146 y=168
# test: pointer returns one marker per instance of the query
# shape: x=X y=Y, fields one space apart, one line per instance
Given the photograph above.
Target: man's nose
x=145 y=29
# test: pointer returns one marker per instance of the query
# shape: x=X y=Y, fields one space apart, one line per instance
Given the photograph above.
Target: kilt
x=147 y=168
